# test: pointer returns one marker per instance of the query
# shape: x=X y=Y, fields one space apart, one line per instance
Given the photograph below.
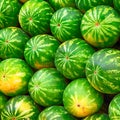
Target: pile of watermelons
x=60 y=59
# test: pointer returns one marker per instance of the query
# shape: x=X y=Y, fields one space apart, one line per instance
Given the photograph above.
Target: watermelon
x=116 y=4
x=71 y=57
x=84 y=5
x=97 y=116
x=12 y=42
x=40 y=51
x=114 y=108
x=3 y=101
x=14 y=76
x=65 y=23
x=34 y=17
x=80 y=99
x=103 y=70
x=9 y=11
x=20 y=107
x=55 y=113
x=57 y=4
x=46 y=87
x=100 y=26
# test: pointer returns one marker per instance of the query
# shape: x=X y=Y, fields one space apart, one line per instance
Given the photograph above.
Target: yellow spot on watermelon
x=11 y=84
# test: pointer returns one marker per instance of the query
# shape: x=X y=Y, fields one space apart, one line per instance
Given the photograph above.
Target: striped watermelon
x=57 y=4
x=80 y=99
x=40 y=51
x=100 y=26
x=65 y=23
x=9 y=10
x=114 y=108
x=103 y=70
x=97 y=116
x=14 y=76
x=12 y=42
x=71 y=57
x=116 y=4
x=3 y=101
x=84 y=5
x=46 y=87
x=55 y=113
x=20 y=108
x=34 y=17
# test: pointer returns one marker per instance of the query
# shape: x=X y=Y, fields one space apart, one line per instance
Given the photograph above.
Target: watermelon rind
x=20 y=107
x=103 y=70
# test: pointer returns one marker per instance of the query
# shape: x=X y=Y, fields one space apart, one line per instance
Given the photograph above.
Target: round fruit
x=100 y=26
x=55 y=113
x=3 y=101
x=57 y=4
x=117 y=5
x=9 y=10
x=65 y=23
x=34 y=17
x=103 y=70
x=97 y=116
x=114 y=108
x=14 y=76
x=40 y=51
x=80 y=99
x=12 y=42
x=46 y=87
x=20 y=108
x=71 y=57
x=84 y=5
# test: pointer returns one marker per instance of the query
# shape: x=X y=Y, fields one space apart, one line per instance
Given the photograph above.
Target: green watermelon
x=9 y=10
x=12 y=42
x=71 y=57
x=34 y=17
x=80 y=99
x=100 y=26
x=65 y=22
x=55 y=113
x=57 y=4
x=3 y=101
x=14 y=76
x=46 y=87
x=103 y=70
x=116 y=4
x=97 y=116
x=40 y=51
x=20 y=107
x=114 y=108
x=84 y=5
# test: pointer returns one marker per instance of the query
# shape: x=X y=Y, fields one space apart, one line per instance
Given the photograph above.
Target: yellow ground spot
x=11 y=85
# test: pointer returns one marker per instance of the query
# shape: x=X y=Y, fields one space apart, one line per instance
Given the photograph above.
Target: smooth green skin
x=14 y=76
x=34 y=17
x=46 y=87
x=40 y=51
x=80 y=99
x=114 y=108
x=97 y=116
x=116 y=4
x=3 y=100
x=12 y=42
x=100 y=26
x=103 y=70
x=55 y=113
x=65 y=24
x=9 y=11
x=57 y=4
x=84 y=5
x=71 y=57
x=20 y=107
